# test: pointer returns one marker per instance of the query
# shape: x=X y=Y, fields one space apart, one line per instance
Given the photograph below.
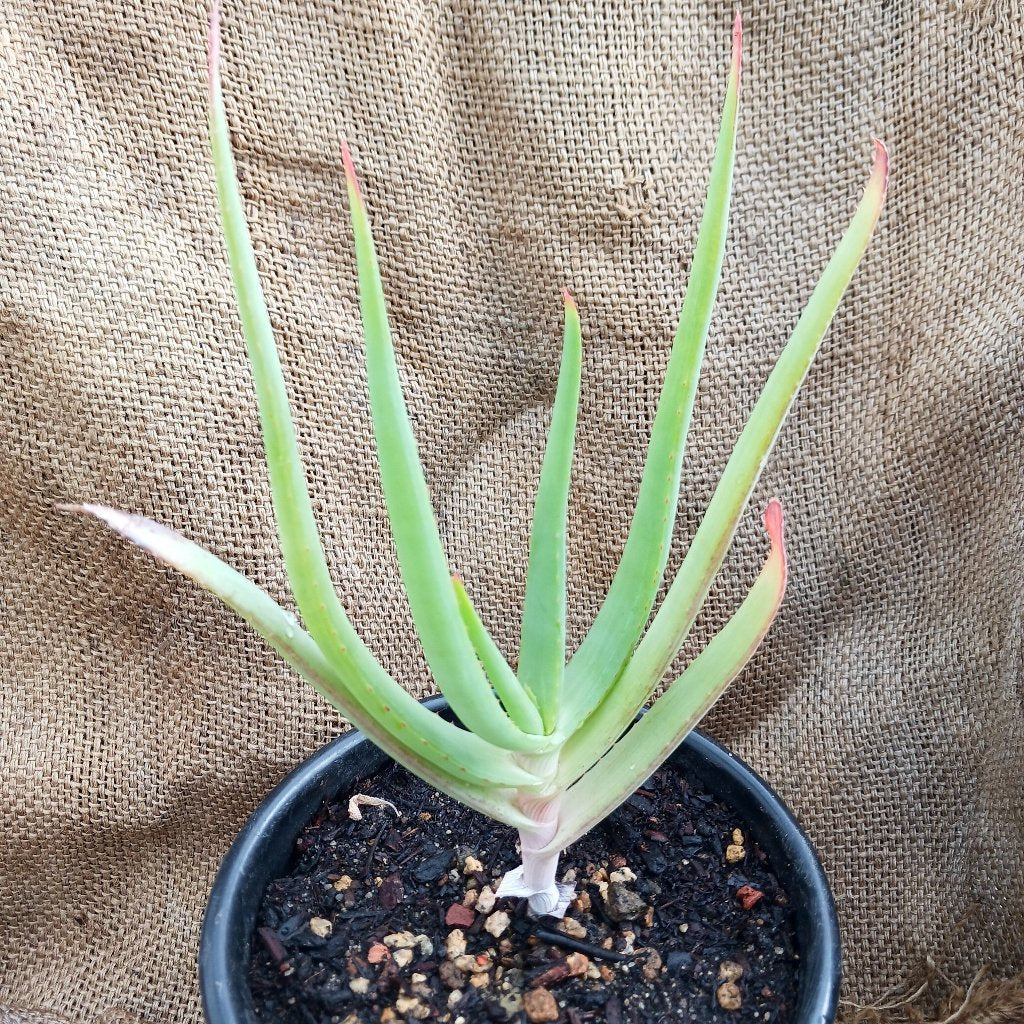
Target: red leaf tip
x=213 y=50
x=350 y=168
x=569 y=300
x=773 y=522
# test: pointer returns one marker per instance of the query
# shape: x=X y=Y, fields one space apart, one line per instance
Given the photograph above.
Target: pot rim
x=249 y=866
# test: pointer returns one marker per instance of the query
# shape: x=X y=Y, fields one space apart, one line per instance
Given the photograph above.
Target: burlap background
x=506 y=149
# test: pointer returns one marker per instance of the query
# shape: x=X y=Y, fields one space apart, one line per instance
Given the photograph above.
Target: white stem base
x=552 y=900
x=535 y=877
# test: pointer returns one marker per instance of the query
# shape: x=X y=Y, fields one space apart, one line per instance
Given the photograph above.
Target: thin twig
x=567 y=942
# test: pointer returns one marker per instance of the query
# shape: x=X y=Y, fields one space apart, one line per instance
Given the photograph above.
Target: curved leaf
x=435 y=749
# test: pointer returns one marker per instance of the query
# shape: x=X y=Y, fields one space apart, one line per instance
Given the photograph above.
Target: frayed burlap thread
x=506 y=150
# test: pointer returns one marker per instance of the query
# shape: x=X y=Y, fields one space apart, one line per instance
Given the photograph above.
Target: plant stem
x=543 y=810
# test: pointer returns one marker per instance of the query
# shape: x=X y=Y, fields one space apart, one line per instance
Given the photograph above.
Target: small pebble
x=400 y=940
x=540 y=1006
x=403 y=957
x=360 y=986
x=652 y=965
x=729 y=996
x=411 y=1006
x=471 y=866
x=748 y=896
x=623 y=903
x=485 y=900
x=343 y=884
x=459 y=915
x=469 y=964
x=497 y=923
x=455 y=943
x=378 y=952
x=729 y=970
x=578 y=964
x=734 y=854
x=320 y=927
x=571 y=927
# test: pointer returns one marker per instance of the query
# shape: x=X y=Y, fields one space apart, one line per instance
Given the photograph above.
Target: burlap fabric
x=506 y=149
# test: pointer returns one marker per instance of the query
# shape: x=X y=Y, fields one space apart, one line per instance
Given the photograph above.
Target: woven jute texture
x=506 y=149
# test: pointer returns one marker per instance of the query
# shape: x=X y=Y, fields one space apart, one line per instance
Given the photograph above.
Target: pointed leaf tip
x=213 y=51
x=568 y=299
x=737 y=38
x=350 y=169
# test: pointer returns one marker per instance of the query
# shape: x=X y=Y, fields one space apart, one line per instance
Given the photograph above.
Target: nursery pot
x=264 y=848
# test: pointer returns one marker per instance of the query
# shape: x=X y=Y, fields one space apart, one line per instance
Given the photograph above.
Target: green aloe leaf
x=619 y=623
x=689 y=589
x=448 y=757
x=542 y=646
x=421 y=558
x=300 y=543
x=678 y=710
x=517 y=701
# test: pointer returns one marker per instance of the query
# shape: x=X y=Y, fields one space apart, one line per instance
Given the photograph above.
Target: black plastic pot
x=265 y=845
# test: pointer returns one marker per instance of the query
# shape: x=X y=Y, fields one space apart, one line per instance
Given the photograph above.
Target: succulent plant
x=548 y=747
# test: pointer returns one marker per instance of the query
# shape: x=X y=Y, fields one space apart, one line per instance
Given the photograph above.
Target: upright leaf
x=517 y=701
x=624 y=613
x=542 y=646
x=421 y=558
x=682 y=705
x=707 y=550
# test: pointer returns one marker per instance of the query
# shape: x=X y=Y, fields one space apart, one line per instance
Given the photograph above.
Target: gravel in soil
x=392 y=918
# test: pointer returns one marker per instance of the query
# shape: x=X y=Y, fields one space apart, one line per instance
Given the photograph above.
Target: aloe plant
x=548 y=747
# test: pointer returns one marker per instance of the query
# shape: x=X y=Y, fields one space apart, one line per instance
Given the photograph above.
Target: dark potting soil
x=678 y=917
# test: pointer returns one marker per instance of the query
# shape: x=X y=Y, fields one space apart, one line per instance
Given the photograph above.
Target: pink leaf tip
x=350 y=169
x=568 y=299
x=737 y=40
x=881 y=164
x=773 y=522
x=213 y=51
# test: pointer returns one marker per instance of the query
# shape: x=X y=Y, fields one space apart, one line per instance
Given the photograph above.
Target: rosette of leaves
x=548 y=746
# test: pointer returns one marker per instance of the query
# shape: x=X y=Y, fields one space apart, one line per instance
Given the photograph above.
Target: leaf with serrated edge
x=611 y=639
x=517 y=702
x=421 y=558
x=707 y=550
x=613 y=778
x=542 y=645
x=450 y=758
